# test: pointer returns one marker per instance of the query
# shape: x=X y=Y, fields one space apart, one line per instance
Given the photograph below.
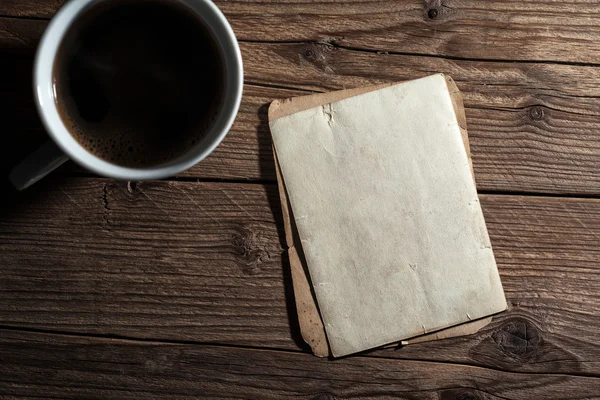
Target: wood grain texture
x=533 y=126
x=20 y=34
x=56 y=366
x=203 y=262
x=30 y=8
x=168 y=260
x=194 y=263
x=497 y=29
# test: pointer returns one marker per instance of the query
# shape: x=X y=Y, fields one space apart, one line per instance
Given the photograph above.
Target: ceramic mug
x=63 y=146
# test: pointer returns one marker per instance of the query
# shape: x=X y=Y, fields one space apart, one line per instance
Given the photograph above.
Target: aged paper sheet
x=388 y=261
x=309 y=318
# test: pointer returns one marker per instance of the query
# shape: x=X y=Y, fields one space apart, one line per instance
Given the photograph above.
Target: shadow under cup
x=138 y=89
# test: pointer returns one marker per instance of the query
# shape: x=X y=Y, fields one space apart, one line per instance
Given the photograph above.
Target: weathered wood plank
x=497 y=29
x=30 y=8
x=533 y=127
x=71 y=367
x=20 y=34
x=181 y=260
x=203 y=262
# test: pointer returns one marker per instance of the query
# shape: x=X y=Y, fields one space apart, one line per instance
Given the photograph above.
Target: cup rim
x=44 y=88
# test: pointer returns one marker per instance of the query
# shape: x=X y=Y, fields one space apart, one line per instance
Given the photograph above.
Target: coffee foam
x=126 y=147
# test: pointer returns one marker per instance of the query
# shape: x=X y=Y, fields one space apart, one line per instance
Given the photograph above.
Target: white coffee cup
x=63 y=146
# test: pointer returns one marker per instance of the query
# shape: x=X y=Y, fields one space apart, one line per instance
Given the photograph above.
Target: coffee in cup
x=133 y=89
x=138 y=82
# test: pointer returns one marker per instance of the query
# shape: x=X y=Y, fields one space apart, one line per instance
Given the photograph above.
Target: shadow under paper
x=267 y=169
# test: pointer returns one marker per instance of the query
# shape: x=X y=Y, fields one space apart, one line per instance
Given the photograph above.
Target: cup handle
x=37 y=165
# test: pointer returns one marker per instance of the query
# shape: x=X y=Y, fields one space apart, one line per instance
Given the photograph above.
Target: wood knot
x=519 y=343
x=460 y=394
x=436 y=9
x=310 y=54
x=536 y=113
x=318 y=54
x=247 y=245
x=433 y=13
x=518 y=338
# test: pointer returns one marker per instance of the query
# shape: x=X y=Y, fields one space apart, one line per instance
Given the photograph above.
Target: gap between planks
x=138 y=340
x=333 y=43
x=266 y=182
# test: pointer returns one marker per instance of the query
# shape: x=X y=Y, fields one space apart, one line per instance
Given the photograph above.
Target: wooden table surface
x=180 y=288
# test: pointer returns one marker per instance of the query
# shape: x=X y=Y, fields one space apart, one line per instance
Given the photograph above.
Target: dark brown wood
x=172 y=260
x=203 y=262
x=57 y=366
x=189 y=269
x=20 y=34
x=30 y=8
x=532 y=126
x=497 y=29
